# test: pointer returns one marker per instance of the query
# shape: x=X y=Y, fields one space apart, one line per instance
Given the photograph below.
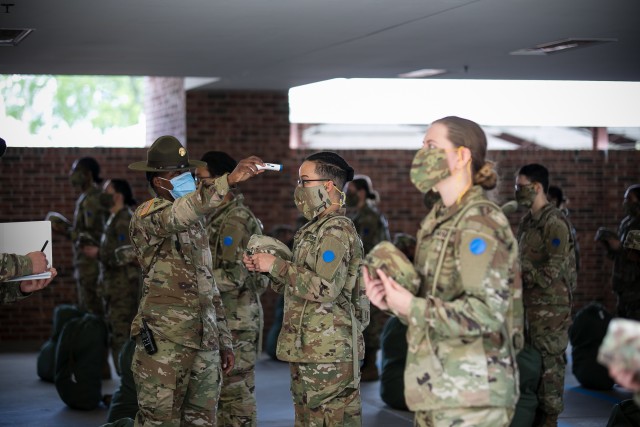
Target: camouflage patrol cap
x=166 y=154
x=632 y=241
x=394 y=263
x=266 y=244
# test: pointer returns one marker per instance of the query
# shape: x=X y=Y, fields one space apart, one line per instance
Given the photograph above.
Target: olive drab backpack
x=47 y=355
x=80 y=356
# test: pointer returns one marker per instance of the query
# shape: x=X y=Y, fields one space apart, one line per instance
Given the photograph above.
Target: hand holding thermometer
x=270 y=167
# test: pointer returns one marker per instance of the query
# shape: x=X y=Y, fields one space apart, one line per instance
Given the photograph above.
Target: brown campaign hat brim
x=145 y=167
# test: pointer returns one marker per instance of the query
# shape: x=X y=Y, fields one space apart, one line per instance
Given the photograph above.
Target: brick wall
x=34 y=181
x=164 y=107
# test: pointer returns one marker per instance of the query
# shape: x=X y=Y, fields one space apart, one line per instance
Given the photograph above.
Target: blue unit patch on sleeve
x=227 y=241
x=328 y=256
x=555 y=242
x=477 y=246
x=365 y=232
x=121 y=237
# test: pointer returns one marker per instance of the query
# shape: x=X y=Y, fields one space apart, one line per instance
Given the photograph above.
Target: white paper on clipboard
x=23 y=237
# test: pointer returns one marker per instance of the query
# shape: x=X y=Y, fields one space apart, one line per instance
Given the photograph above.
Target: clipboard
x=23 y=237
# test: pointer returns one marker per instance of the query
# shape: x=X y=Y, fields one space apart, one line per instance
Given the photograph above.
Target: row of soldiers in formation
x=465 y=318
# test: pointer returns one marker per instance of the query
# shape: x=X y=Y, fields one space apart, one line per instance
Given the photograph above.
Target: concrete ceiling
x=278 y=44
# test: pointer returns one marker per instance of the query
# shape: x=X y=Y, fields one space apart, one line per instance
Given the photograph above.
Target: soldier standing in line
x=229 y=227
x=372 y=228
x=547 y=259
x=626 y=269
x=465 y=323
x=181 y=331
x=324 y=312
x=120 y=274
x=88 y=225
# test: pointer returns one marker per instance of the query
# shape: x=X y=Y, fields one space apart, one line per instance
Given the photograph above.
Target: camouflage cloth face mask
x=428 y=168
x=525 y=195
x=310 y=201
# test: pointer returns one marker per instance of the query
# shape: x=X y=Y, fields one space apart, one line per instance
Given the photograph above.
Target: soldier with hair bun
x=465 y=323
x=321 y=334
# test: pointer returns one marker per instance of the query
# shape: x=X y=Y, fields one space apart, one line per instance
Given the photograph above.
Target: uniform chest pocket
x=306 y=254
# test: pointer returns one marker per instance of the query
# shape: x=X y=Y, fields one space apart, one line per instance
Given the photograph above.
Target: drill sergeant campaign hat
x=632 y=241
x=166 y=154
x=395 y=264
x=266 y=244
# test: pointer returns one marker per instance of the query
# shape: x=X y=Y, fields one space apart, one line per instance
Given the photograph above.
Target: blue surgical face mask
x=182 y=185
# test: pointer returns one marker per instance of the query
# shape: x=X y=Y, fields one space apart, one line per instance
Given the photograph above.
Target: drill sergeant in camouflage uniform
x=12 y=265
x=464 y=323
x=179 y=384
x=119 y=270
x=548 y=268
x=626 y=270
x=88 y=225
x=372 y=228
x=321 y=337
x=229 y=229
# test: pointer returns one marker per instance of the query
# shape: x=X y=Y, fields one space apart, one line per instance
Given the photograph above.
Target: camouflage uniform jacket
x=460 y=326
x=626 y=272
x=89 y=219
x=371 y=226
x=547 y=257
x=12 y=265
x=180 y=300
x=318 y=285
x=115 y=273
x=229 y=229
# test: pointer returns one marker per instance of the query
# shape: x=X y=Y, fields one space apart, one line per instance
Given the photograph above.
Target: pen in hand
x=44 y=246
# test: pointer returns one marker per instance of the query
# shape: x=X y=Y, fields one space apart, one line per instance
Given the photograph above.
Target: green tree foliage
x=105 y=101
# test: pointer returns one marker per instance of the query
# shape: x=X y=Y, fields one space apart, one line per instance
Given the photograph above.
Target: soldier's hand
x=91 y=251
x=375 y=290
x=624 y=377
x=38 y=262
x=245 y=169
x=28 y=286
x=398 y=299
x=228 y=360
x=261 y=262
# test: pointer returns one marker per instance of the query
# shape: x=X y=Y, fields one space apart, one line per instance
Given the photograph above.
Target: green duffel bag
x=124 y=402
x=530 y=368
x=80 y=357
x=46 y=365
x=624 y=414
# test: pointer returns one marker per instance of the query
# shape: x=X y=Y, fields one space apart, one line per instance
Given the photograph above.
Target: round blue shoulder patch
x=477 y=246
x=328 y=256
x=555 y=242
x=227 y=241
x=121 y=237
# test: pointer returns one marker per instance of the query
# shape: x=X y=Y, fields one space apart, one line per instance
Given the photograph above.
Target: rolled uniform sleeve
x=12 y=265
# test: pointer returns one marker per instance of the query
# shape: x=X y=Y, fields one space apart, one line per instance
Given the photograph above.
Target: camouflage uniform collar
x=444 y=213
x=542 y=213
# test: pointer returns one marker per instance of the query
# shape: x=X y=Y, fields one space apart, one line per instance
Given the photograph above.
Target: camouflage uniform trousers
x=120 y=310
x=628 y=305
x=548 y=332
x=372 y=332
x=464 y=417
x=89 y=297
x=177 y=386
x=323 y=395
x=237 y=404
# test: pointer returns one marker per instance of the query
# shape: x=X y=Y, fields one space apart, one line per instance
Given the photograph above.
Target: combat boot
x=369 y=370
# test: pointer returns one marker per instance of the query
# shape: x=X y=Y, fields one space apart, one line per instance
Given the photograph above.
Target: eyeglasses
x=304 y=181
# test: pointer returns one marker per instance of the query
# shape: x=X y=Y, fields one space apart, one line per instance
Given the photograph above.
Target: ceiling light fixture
x=560 y=46
x=12 y=37
x=425 y=72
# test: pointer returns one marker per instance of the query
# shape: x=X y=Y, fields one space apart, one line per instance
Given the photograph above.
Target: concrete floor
x=27 y=401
